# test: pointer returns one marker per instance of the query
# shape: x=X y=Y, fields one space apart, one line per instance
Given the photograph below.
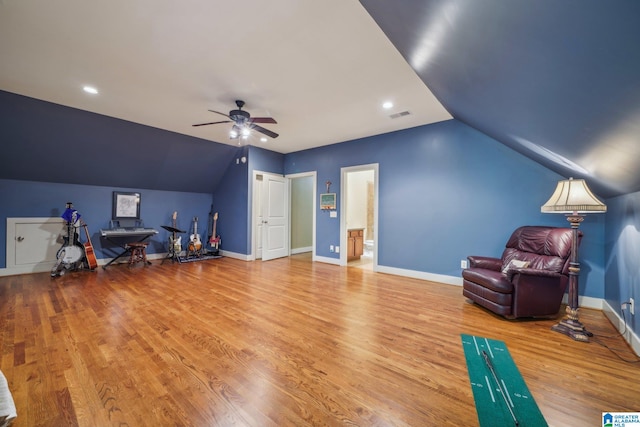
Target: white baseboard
x=235 y=255
x=440 y=278
x=295 y=251
x=586 y=302
x=327 y=260
x=617 y=321
x=27 y=269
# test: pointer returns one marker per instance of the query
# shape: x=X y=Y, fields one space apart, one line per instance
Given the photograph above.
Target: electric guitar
x=194 y=240
x=214 y=240
x=175 y=243
x=88 y=250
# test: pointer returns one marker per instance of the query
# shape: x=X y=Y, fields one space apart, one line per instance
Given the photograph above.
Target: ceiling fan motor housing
x=239 y=116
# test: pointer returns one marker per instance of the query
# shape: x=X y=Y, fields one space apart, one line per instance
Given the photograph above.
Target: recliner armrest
x=489 y=263
x=531 y=272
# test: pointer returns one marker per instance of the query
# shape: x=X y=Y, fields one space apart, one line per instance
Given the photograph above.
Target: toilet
x=368 y=248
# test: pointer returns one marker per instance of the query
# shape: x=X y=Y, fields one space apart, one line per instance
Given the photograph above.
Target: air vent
x=401 y=114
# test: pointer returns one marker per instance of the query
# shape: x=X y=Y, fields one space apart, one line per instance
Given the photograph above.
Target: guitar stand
x=60 y=268
x=173 y=255
x=215 y=250
x=196 y=253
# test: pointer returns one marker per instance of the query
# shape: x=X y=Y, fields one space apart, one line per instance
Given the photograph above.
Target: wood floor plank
x=285 y=342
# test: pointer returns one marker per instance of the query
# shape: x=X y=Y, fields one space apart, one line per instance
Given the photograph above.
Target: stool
x=138 y=253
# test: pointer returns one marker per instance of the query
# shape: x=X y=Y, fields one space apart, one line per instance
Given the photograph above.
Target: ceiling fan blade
x=264 y=120
x=212 y=123
x=218 y=112
x=264 y=131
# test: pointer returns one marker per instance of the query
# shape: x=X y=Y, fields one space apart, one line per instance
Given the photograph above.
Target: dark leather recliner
x=530 y=278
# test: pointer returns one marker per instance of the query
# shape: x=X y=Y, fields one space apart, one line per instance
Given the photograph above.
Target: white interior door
x=257 y=217
x=275 y=219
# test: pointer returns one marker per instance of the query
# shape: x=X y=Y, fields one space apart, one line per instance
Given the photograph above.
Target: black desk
x=121 y=236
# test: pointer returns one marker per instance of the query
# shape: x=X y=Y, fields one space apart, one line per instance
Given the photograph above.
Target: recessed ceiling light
x=387 y=105
x=90 y=89
x=263 y=139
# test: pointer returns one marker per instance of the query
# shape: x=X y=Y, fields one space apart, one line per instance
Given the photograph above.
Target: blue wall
x=265 y=161
x=38 y=199
x=233 y=194
x=42 y=141
x=447 y=191
x=231 y=203
x=622 y=247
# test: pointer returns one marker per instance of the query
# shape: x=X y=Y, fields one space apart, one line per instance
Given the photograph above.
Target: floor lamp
x=573 y=198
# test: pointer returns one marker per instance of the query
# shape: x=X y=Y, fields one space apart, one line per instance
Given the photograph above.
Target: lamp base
x=573 y=329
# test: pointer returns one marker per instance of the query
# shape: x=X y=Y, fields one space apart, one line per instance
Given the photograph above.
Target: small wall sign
x=328 y=201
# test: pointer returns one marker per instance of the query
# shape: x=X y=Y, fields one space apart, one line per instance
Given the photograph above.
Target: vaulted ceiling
x=321 y=69
x=557 y=80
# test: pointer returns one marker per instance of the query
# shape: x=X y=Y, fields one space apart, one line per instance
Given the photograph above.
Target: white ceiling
x=321 y=68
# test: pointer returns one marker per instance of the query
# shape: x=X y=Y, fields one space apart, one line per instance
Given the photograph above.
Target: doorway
x=302 y=217
x=359 y=219
x=298 y=214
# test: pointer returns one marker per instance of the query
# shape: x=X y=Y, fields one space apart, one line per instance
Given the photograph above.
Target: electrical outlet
x=331 y=248
x=337 y=249
x=463 y=263
x=631 y=305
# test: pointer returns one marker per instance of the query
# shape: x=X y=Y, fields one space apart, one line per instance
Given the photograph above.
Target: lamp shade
x=573 y=195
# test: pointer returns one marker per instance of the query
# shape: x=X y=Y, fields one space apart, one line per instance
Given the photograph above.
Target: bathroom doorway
x=358 y=223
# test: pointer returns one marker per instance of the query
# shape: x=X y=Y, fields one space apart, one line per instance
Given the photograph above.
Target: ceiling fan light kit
x=243 y=123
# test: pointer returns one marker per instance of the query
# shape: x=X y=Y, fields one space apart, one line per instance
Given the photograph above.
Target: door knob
x=19 y=238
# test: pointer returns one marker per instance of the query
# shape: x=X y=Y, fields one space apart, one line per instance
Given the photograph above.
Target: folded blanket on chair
x=7 y=407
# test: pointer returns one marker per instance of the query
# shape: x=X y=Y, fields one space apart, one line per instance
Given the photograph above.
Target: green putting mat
x=490 y=359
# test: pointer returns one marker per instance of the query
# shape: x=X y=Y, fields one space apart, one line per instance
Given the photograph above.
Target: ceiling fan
x=243 y=123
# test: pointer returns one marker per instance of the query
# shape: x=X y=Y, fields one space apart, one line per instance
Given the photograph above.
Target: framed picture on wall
x=328 y=201
x=126 y=205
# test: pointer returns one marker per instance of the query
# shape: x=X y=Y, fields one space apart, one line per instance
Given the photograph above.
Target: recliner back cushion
x=545 y=248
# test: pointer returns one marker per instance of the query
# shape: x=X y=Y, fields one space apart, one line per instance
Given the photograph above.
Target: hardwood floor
x=286 y=342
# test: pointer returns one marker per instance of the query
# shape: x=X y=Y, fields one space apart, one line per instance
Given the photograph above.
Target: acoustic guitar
x=88 y=250
x=195 y=244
